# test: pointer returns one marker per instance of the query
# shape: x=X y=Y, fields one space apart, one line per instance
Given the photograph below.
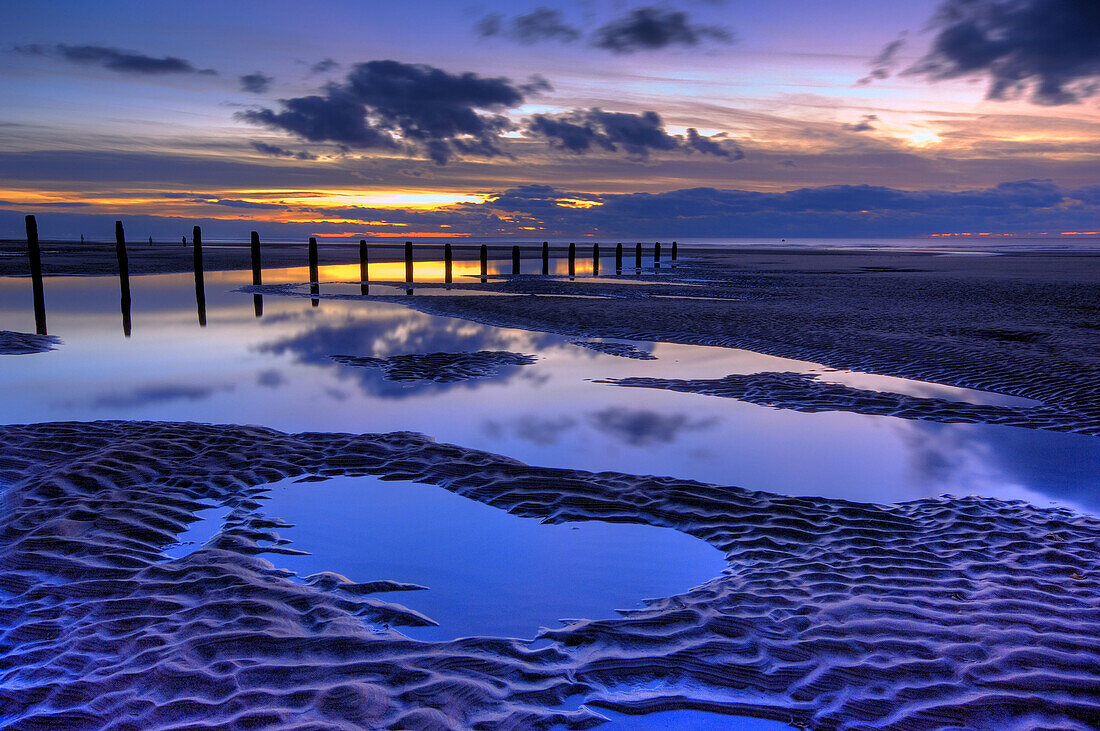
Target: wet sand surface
x=938 y=612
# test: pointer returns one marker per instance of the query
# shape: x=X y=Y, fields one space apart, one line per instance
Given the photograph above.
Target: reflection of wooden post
x=515 y=259
x=484 y=262
x=674 y=251
x=572 y=259
x=123 y=276
x=619 y=258
x=200 y=288
x=448 y=262
x=638 y=256
x=595 y=260
x=34 y=253
x=408 y=262
x=657 y=255
x=545 y=258
x=364 y=272
x=314 y=278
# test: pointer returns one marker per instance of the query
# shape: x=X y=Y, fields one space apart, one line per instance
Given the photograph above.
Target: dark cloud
x=232 y=203
x=531 y=428
x=636 y=134
x=541 y=24
x=866 y=123
x=270 y=378
x=388 y=104
x=642 y=428
x=256 y=83
x=1051 y=47
x=883 y=64
x=114 y=59
x=323 y=66
x=652 y=28
x=276 y=151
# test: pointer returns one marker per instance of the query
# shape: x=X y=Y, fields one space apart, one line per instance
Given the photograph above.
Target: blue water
x=488 y=573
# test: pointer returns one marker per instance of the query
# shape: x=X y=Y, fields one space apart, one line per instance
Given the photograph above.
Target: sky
x=432 y=119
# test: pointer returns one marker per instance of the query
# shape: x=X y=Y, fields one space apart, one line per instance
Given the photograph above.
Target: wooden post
x=545 y=258
x=34 y=253
x=638 y=256
x=314 y=278
x=619 y=258
x=484 y=262
x=448 y=263
x=408 y=262
x=123 y=276
x=257 y=274
x=200 y=288
x=515 y=259
x=313 y=275
x=674 y=251
x=595 y=260
x=572 y=259
x=364 y=271
x=657 y=255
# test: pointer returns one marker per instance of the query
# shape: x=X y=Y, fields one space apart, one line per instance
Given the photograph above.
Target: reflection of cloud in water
x=271 y=378
x=400 y=332
x=1060 y=466
x=146 y=395
x=530 y=428
x=640 y=428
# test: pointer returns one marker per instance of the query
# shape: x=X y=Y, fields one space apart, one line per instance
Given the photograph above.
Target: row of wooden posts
x=34 y=253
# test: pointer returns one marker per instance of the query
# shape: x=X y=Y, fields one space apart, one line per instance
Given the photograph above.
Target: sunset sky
x=788 y=118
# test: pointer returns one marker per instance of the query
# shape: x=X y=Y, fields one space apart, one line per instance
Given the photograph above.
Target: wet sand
x=950 y=612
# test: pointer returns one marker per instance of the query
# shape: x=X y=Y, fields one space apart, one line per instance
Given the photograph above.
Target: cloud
x=155 y=394
x=256 y=83
x=114 y=59
x=652 y=28
x=1047 y=46
x=583 y=130
x=642 y=428
x=276 y=151
x=865 y=124
x=541 y=24
x=883 y=64
x=323 y=66
x=389 y=104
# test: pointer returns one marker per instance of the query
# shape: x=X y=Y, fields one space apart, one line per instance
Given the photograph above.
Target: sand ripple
x=803 y=392
x=623 y=350
x=440 y=367
x=17 y=343
x=962 y=613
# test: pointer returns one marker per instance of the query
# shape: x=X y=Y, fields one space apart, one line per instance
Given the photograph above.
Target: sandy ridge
x=971 y=612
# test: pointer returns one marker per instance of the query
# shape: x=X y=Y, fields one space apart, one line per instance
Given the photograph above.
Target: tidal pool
x=486 y=572
x=276 y=370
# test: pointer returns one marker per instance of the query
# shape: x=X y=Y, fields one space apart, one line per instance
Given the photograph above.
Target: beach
x=879 y=607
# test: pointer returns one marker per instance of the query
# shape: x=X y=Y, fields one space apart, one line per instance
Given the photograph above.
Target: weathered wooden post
x=314 y=278
x=448 y=263
x=34 y=253
x=200 y=288
x=257 y=274
x=638 y=256
x=123 y=276
x=515 y=260
x=657 y=255
x=408 y=262
x=619 y=258
x=364 y=271
x=484 y=262
x=674 y=251
x=595 y=260
x=545 y=258
x=572 y=259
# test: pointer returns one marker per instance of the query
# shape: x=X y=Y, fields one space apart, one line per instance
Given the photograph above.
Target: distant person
x=150 y=240
x=82 y=238
x=184 y=239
